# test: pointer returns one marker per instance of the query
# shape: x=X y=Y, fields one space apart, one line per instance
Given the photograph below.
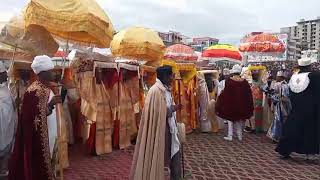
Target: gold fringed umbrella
x=34 y=39
x=138 y=43
x=81 y=21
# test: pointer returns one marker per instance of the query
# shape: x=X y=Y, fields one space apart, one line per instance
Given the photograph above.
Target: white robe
x=221 y=87
x=175 y=143
x=52 y=126
x=8 y=117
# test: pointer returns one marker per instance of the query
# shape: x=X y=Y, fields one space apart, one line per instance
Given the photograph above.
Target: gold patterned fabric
x=74 y=20
x=104 y=120
x=184 y=93
x=128 y=97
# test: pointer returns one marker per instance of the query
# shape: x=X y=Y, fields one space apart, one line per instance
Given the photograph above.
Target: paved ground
x=207 y=156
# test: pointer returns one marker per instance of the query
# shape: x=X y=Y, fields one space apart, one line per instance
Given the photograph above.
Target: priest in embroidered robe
x=37 y=127
x=8 y=120
x=300 y=133
x=157 y=143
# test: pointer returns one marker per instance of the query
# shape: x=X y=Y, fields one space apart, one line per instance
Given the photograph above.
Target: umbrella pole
x=12 y=71
x=59 y=115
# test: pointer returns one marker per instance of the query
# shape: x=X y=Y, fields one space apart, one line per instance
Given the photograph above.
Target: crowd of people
x=286 y=111
x=251 y=100
x=281 y=107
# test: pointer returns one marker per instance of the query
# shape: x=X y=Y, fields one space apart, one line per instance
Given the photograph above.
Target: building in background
x=200 y=44
x=294 y=43
x=302 y=37
x=172 y=37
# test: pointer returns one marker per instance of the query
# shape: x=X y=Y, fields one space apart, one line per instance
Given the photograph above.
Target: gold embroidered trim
x=40 y=122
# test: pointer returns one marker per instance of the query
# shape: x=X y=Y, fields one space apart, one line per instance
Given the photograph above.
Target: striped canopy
x=180 y=52
x=222 y=52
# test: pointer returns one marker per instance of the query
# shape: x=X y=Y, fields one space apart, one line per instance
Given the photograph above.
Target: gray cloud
x=227 y=20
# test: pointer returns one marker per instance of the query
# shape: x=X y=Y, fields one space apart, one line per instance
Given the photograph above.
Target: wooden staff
x=59 y=116
x=180 y=112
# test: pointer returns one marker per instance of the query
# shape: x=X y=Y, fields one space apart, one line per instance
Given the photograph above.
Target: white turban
x=2 y=67
x=226 y=72
x=42 y=63
x=280 y=74
x=236 y=69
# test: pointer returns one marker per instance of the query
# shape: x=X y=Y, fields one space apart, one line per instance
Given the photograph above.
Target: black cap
x=164 y=72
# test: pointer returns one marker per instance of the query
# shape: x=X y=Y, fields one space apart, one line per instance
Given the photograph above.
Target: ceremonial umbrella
x=138 y=43
x=180 y=52
x=262 y=44
x=34 y=39
x=222 y=52
x=82 y=21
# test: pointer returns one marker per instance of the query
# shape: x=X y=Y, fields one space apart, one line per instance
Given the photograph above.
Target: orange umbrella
x=81 y=21
x=262 y=43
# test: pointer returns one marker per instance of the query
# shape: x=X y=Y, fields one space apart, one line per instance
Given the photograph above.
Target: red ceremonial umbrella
x=222 y=52
x=180 y=52
x=262 y=43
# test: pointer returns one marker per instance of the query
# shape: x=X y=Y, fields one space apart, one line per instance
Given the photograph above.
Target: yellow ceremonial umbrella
x=138 y=43
x=81 y=21
x=34 y=39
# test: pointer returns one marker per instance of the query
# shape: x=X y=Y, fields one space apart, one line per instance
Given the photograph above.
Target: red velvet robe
x=235 y=103
x=31 y=155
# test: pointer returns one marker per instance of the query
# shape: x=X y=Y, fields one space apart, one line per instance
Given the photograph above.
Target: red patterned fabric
x=266 y=43
x=222 y=53
x=60 y=54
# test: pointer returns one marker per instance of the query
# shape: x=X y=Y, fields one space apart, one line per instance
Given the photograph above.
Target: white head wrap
x=226 y=72
x=280 y=74
x=2 y=67
x=236 y=69
x=42 y=63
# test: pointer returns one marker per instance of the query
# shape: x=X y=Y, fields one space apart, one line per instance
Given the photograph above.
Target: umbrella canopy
x=222 y=52
x=34 y=39
x=8 y=53
x=138 y=43
x=75 y=20
x=180 y=52
x=262 y=43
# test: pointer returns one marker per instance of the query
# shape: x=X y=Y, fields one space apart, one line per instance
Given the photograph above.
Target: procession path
x=207 y=156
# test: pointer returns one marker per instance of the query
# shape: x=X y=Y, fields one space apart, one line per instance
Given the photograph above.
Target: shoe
x=228 y=138
x=284 y=157
x=4 y=174
x=247 y=129
x=240 y=138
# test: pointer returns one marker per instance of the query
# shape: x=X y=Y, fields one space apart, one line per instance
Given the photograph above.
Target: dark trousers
x=175 y=166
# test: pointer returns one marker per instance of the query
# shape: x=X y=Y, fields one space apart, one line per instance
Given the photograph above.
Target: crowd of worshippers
x=285 y=108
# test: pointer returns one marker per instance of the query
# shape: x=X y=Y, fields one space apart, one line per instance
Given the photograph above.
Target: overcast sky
x=227 y=20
